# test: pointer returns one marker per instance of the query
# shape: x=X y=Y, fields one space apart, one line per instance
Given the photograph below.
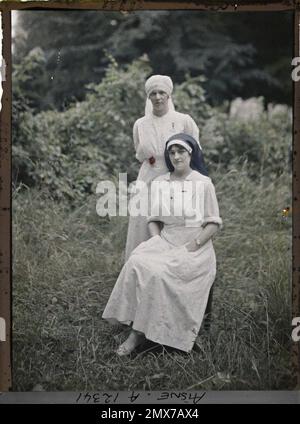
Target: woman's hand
x=207 y=232
x=192 y=246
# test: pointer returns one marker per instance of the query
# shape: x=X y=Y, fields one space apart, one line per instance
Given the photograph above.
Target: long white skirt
x=138 y=225
x=162 y=291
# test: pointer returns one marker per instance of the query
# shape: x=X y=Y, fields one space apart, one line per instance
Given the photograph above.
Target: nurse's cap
x=159 y=82
x=181 y=143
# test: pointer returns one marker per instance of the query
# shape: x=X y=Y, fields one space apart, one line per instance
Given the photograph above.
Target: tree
x=234 y=52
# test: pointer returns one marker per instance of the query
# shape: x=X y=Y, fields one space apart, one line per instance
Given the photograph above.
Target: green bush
x=69 y=152
x=264 y=142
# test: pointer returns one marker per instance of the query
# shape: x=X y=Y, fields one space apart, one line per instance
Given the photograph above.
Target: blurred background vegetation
x=77 y=92
x=239 y=54
x=78 y=87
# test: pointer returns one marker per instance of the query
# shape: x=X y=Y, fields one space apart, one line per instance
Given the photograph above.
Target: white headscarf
x=181 y=143
x=158 y=82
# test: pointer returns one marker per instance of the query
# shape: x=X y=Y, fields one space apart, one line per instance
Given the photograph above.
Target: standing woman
x=150 y=133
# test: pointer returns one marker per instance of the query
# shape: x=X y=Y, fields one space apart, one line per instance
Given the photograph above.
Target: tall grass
x=65 y=263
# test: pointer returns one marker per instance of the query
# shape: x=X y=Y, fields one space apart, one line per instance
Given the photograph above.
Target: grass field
x=65 y=264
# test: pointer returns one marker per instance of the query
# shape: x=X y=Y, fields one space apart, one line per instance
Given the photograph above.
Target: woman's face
x=180 y=158
x=159 y=100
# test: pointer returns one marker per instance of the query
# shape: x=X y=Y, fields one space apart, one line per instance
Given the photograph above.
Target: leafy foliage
x=263 y=141
x=69 y=152
x=234 y=52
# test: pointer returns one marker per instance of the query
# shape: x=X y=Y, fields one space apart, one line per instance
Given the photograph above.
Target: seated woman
x=163 y=288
